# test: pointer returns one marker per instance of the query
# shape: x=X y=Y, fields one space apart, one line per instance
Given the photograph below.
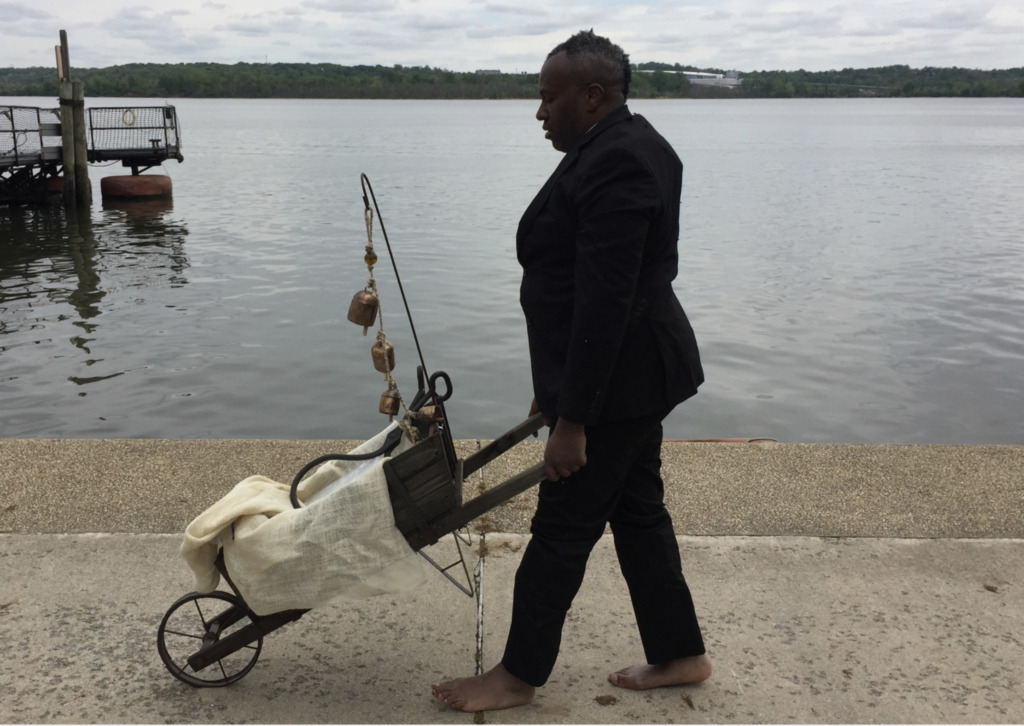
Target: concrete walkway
x=836 y=584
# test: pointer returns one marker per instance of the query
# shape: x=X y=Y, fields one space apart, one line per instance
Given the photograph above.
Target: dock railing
x=137 y=136
x=29 y=136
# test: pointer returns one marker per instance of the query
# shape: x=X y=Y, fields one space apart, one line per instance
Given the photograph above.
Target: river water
x=854 y=270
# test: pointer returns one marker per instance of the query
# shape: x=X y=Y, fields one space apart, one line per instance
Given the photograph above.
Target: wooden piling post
x=64 y=71
x=67 y=135
x=83 y=190
x=74 y=145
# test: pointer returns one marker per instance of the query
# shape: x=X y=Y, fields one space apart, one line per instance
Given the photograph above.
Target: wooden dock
x=32 y=154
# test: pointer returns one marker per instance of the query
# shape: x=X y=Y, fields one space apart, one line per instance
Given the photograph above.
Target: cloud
x=957 y=20
x=264 y=25
x=515 y=35
x=512 y=9
x=15 y=12
x=353 y=6
x=26 y=25
x=1006 y=17
x=144 y=35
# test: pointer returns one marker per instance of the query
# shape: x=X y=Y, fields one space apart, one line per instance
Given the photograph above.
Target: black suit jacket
x=608 y=338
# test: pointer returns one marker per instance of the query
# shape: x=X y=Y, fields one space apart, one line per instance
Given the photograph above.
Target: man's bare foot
x=674 y=673
x=491 y=691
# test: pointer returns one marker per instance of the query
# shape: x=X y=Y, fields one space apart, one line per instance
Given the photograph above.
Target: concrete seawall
x=825 y=490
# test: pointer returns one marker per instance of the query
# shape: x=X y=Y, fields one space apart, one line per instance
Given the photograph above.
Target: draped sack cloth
x=343 y=542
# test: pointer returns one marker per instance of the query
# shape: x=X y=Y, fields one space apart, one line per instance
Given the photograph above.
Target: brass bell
x=425 y=419
x=428 y=415
x=363 y=309
x=383 y=356
x=390 y=402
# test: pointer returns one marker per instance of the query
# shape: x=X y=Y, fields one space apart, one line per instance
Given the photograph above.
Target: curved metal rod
x=390 y=442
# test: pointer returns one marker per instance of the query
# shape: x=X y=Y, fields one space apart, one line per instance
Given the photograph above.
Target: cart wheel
x=198 y=620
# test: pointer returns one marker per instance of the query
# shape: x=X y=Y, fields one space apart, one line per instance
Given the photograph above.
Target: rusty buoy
x=135 y=186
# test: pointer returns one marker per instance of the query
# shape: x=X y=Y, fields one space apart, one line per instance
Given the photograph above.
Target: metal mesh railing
x=139 y=128
x=28 y=135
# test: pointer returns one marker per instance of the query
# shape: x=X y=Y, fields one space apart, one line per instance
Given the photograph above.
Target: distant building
x=729 y=78
x=488 y=73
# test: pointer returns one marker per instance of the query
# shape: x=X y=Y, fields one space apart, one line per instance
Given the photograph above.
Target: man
x=612 y=353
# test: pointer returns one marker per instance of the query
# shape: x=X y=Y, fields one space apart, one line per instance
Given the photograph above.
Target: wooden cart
x=213 y=639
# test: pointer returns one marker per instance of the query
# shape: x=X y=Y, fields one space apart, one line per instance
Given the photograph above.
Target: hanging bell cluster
x=363 y=310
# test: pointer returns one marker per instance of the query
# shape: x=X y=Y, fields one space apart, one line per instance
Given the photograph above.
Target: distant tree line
x=653 y=80
x=273 y=80
x=884 y=81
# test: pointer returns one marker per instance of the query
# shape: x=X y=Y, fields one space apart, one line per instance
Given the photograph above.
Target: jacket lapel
x=545 y=191
x=619 y=114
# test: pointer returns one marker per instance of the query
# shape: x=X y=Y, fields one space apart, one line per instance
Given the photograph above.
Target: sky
x=516 y=35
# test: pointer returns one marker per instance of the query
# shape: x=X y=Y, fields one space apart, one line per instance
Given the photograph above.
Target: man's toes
x=623 y=679
x=442 y=691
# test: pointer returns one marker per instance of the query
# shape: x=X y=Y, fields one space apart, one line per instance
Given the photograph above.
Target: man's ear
x=595 y=96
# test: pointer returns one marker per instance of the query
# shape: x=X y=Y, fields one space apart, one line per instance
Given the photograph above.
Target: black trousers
x=620 y=485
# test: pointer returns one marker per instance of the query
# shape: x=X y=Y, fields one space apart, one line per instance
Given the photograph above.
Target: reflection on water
x=63 y=276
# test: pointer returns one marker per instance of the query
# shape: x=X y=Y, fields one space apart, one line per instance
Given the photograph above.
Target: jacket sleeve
x=617 y=199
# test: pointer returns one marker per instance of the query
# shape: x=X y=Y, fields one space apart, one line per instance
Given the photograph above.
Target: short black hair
x=599 y=59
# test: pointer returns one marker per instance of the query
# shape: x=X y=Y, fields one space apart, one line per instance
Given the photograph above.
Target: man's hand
x=566 y=452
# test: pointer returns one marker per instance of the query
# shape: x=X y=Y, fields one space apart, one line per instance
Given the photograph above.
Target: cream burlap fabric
x=342 y=543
